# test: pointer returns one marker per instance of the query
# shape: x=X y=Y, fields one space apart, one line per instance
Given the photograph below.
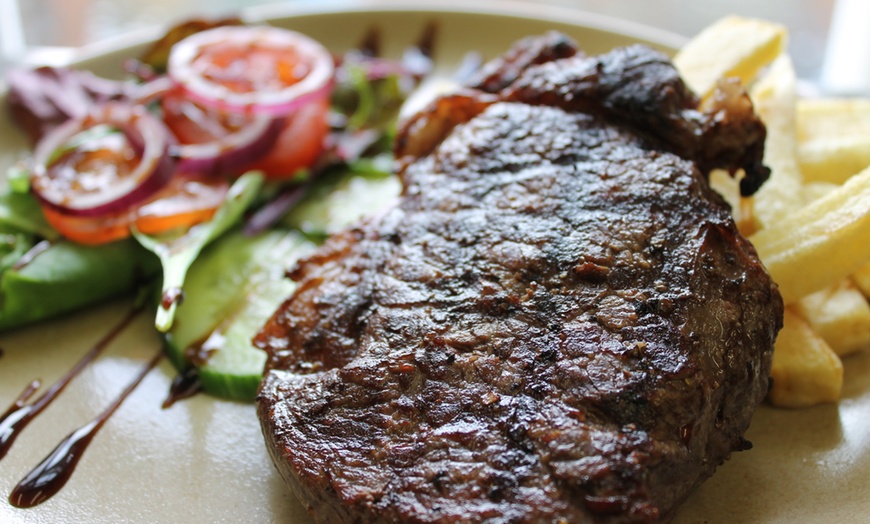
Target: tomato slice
x=229 y=76
x=183 y=202
x=193 y=123
x=89 y=230
x=300 y=143
x=252 y=69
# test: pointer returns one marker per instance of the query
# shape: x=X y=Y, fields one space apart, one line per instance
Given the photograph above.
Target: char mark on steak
x=558 y=321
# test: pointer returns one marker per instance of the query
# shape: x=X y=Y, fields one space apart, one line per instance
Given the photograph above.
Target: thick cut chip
x=840 y=315
x=820 y=244
x=834 y=138
x=805 y=370
x=861 y=277
x=732 y=47
x=810 y=235
x=813 y=191
x=774 y=98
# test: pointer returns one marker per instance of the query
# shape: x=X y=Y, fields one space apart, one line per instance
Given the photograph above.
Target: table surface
x=45 y=31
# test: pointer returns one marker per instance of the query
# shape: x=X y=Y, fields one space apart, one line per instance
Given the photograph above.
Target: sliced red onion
x=147 y=137
x=229 y=154
x=269 y=215
x=315 y=85
x=153 y=89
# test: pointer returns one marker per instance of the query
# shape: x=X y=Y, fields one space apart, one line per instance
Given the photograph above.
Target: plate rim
x=505 y=8
x=521 y=9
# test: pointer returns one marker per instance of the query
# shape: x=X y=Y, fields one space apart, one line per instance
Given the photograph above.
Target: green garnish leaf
x=178 y=250
x=18 y=178
x=365 y=98
x=54 y=278
x=21 y=212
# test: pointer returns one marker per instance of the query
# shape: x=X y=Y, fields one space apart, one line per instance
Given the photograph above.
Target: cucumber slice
x=231 y=290
x=338 y=199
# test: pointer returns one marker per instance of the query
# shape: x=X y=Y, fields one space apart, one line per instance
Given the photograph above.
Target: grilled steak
x=558 y=321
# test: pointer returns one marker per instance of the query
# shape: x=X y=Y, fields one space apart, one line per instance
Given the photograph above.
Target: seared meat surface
x=558 y=321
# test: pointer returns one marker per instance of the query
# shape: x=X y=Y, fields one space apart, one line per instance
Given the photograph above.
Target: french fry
x=815 y=190
x=833 y=137
x=774 y=99
x=821 y=243
x=805 y=371
x=861 y=278
x=741 y=47
x=839 y=314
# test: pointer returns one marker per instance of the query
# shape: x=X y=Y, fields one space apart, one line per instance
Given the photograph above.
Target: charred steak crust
x=558 y=322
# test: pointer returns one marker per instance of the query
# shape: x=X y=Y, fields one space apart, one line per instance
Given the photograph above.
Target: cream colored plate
x=203 y=460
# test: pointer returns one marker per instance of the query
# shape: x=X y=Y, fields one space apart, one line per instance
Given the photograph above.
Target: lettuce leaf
x=177 y=250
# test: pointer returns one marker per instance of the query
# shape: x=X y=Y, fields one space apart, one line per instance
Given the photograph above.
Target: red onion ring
x=316 y=83
x=146 y=135
x=228 y=154
x=153 y=90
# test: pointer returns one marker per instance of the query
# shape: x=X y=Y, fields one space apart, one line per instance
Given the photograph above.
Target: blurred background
x=51 y=31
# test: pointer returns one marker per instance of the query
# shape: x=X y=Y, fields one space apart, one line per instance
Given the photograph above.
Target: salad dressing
x=171 y=296
x=20 y=413
x=184 y=386
x=47 y=478
x=201 y=351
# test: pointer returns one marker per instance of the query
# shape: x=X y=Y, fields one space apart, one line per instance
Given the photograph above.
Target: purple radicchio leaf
x=43 y=98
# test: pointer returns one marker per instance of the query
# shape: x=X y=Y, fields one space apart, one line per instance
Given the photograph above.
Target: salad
x=229 y=152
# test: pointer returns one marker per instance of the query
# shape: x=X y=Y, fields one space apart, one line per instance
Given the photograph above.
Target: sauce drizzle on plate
x=20 y=413
x=47 y=478
x=184 y=385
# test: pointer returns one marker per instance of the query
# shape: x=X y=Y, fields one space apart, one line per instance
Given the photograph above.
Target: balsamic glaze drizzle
x=47 y=478
x=171 y=296
x=19 y=414
x=184 y=385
